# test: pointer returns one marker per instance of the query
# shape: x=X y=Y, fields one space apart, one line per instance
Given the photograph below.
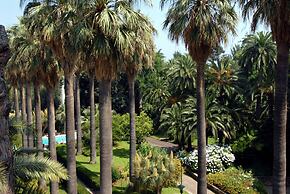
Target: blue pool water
x=58 y=138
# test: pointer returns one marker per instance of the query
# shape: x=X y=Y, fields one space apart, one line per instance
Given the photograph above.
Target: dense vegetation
x=240 y=99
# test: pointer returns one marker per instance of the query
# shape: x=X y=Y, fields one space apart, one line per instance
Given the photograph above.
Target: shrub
x=236 y=181
x=218 y=158
x=144 y=127
x=116 y=173
x=242 y=143
x=120 y=125
x=154 y=169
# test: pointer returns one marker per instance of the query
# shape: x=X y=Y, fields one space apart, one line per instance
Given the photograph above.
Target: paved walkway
x=189 y=183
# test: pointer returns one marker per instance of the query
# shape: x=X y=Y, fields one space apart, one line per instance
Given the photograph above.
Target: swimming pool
x=58 y=139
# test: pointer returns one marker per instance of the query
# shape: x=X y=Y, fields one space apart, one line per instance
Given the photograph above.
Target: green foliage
x=236 y=181
x=120 y=125
x=144 y=127
x=243 y=143
x=116 y=173
x=154 y=169
x=29 y=169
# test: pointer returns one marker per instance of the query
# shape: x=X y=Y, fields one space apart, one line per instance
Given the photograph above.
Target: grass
x=90 y=173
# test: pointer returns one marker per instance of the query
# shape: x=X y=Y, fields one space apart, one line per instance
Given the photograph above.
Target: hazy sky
x=10 y=11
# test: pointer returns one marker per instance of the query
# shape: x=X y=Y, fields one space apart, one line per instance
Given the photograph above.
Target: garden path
x=189 y=183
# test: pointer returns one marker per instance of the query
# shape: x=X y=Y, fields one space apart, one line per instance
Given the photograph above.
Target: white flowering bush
x=218 y=158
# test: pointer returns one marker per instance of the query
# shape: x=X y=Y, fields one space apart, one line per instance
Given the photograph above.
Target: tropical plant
x=222 y=78
x=173 y=121
x=276 y=13
x=155 y=169
x=203 y=25
x=181 y=72
x=219 y=121
x=257 y=60
x=141 y=57
x=27 y=170
x=53 y=22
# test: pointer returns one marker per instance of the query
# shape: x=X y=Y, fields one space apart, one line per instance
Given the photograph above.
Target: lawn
x=89 y=173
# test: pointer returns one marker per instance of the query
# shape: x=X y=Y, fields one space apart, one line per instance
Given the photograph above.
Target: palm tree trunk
x=51 y=132
x=201 y=129
x=280 y=118
x=93 y=136
x=78 y=115
x=38 y=122
x=106 y=143
x=70 y=132
x=29 y=115
x=5 y=145
x=24 y=117
x=131 y=83
x=16 y=103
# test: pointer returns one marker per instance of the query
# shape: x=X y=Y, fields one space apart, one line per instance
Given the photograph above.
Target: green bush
x=144 y=127
x=236 y=181
x=120 y=125
x=242 y=143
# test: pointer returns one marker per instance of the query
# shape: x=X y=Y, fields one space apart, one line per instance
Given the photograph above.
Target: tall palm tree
x=88 y=63
x=15 y=75
x=30 y=136
x=6 y=157
x=276 y=13
x=78 y=113
x=55 y=28
x=203 y=25
x=141 y=57
x=111 y=25
x=258 y=61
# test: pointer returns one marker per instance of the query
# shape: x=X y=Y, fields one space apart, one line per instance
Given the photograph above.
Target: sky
x=10 y=11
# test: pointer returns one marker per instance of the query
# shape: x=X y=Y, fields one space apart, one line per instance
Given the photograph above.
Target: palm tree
x=258 y=62
x=78 y=113
x=181 y=73
x=219 y=121
x=55 y=26
x=203 y=25
x=141 y=57
x=87 y=61
x=41 y=69
x=275 y=13
x=6 y=157
x=13 y=71
x=28 y=169
x=30 y=136
x=174 y=121
x=222 y=78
